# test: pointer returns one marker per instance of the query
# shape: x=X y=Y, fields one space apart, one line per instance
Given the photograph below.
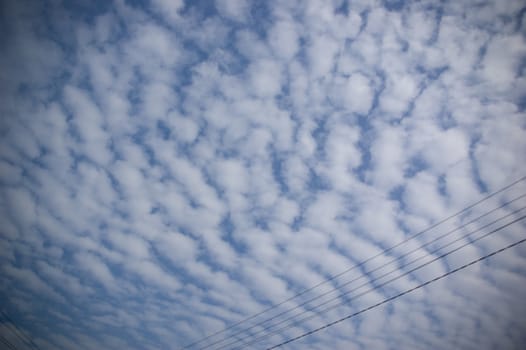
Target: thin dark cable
x=398 y=295
x=7 y=343
x=369 y=272
x=296 y=322
x=471 y=206
x=367 y=282
x=19 y=334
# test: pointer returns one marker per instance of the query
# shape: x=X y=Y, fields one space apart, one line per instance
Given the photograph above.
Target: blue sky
x=168 y=168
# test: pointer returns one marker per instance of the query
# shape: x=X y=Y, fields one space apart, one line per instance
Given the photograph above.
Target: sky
x=169 y=168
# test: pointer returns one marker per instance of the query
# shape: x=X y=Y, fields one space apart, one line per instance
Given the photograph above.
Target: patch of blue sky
x=395 y=5
x=238 y=185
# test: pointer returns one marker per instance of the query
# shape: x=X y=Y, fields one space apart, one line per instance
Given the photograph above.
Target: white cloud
x=237 y=10
x=185 y=129
x=355 y=93
x=296 y=174
x=284 y=39
x=65 y=281
x=388 y=157
x=377 y=219
x=401 y=89
x=169 y=168
x=176 y=247
x=265 y=78
x=423 y=188
x=134 y=246
x=10 y=173
x=493 y=158
x=264 y=284
x=231 y=175
x=97 y=269
x=321 y=53
x=89 y=127
x=169 y=8
x=33 y=282
x=150 y=272
x=22 y=206
x=501 y=63
x=420 y=26
x=159 y=98
x=155 y=44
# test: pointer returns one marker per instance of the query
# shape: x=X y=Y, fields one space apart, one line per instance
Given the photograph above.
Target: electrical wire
x=374 y=280
x=369 y=272
x=397 y=295
x=440 y=222
x=18 y=333
x=7 y=343
x=374 y=288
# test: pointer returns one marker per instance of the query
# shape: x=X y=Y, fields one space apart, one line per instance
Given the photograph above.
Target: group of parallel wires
x=12 y=337
x=288 y=321
x=395 y=263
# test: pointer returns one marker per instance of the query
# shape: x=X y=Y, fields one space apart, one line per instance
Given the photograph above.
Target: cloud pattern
x=168 y=168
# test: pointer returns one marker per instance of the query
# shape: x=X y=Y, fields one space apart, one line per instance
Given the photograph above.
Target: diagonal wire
x=466 y=209
x=361 y=276
x=398 y=295
x=7 y=343
x=18 y=333
x=374 y=288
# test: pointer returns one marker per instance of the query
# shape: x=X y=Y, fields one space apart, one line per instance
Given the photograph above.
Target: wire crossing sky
x=413 y=236
x=343 y=284
x=401 y=294
x=378 y=285
x=174 y=172
x=13 y=329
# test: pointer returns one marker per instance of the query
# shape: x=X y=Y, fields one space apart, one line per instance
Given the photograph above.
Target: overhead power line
x=405 y=255
x=397 y=295
x=376 y=279
x=383 y=284
x=387 y=250
x=7 y=343
x=27 y=341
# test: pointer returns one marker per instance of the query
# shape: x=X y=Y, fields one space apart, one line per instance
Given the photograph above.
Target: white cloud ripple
x=168 y=168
